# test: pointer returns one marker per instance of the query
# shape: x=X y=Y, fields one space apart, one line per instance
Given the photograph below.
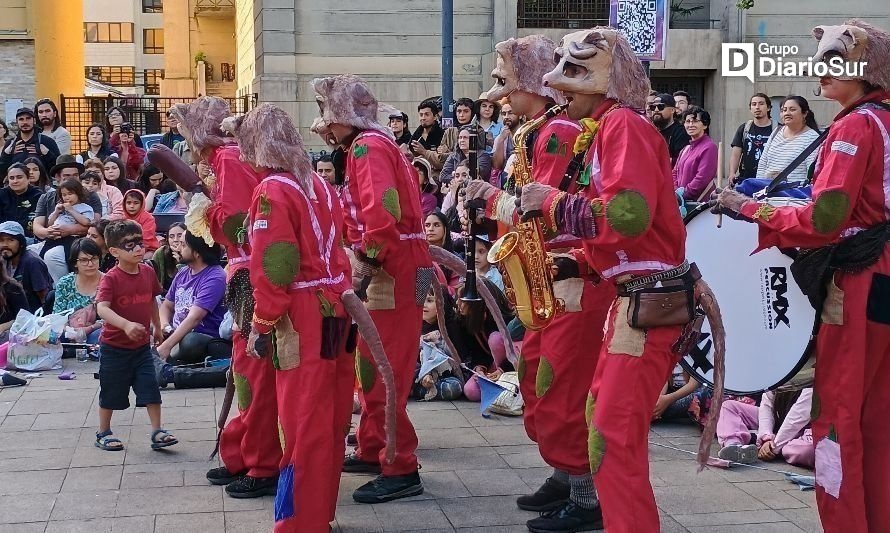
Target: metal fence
x=571 y=14
x=147 y=114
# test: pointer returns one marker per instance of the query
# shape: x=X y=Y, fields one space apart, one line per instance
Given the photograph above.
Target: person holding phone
x=131 y=155
x=117 y=117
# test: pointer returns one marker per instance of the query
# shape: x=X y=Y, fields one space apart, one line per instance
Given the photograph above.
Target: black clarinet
x=471 y=292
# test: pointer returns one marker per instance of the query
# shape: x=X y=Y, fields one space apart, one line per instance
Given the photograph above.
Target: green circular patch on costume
x=830 y=210
x=628 y=213
x=588 y=409
x=281 y=440
x=391 y=203
x=544 y=377
x=233 y=228
x=596 y=448
x=366 y=372
x=520 y=368
x=815 y=407
x=242 y=391
x=281 y=262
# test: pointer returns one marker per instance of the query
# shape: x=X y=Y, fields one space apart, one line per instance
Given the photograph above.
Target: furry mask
x=268 y=138
x=199 y=122
x=611 y=67
x=534 y=54
x=857 y=41
x=346 y=100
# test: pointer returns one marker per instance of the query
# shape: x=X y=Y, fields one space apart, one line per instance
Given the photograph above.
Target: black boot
x=354 y=465
x=252 y=487
x=552 y=495
x=222 y=476
x=387 y=488
x=567 y=519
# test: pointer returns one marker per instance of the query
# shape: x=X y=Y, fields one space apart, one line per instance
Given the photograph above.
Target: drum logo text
x=775 y=304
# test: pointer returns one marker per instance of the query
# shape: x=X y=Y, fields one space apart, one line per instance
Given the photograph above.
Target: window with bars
x=108 y=32
x=565 y=14
x=152 y=80
x=153 y=41
x=152 y=6
x=115 y=76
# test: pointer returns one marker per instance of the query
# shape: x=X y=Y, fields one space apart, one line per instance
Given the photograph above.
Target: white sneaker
x=738 y=453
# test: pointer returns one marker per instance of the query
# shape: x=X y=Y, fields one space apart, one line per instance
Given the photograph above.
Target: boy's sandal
x=104 y=441
x=161 y=438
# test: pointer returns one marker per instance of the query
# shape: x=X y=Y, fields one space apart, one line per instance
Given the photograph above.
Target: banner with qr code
x=644 y=23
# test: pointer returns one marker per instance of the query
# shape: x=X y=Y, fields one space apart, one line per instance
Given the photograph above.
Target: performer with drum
x=845 y=269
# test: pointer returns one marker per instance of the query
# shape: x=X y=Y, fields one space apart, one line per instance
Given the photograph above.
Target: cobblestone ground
x=52 y=478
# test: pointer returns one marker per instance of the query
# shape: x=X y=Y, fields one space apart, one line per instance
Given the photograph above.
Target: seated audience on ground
x=23 y=265
x=116 y=174
x=176 y=202
x=441 y=382
x=130 y=155
x=480 y=344
x=97 y=233
x=461 y=153
x=747 y=432
x=97 y=145
x=437 y=234
x=134 y=209
x=113 y=194
x=76 y=292
x=72 y=216
x=166 y=260
x=111 y=198
x=18 y=199
x=38 y=175
x=194 y=308
x=153 y=183
x=483 y=267
x=428 y=200
x=682 y=398
x=696 y=166
x=28 y=142
x=451 y=190
x=12 y=300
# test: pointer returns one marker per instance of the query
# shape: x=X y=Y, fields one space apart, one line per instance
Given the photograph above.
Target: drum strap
x=782 y=176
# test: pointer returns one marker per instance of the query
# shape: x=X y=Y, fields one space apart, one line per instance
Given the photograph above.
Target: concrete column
x=179 y=77
x=58 y=44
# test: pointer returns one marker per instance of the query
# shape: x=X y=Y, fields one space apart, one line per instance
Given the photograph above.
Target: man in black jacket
x=173 y=136
x=28 y=143
x=427 y=136
x=662 y=110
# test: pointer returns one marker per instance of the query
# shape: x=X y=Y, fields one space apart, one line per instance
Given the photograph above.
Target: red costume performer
x=248 y=446
x=627 y=218
x=300 y=322
x=851 y=211
x=558 y=362
x=391 y=268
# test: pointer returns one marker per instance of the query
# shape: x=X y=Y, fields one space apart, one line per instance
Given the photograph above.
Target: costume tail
x=174 y=168
x=369 y=333
x=453 y=263
x=709 y=304
x=224 y=411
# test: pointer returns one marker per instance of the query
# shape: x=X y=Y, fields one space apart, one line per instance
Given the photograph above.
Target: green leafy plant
x=677 y=9
x=200 y=57
x=745 y=4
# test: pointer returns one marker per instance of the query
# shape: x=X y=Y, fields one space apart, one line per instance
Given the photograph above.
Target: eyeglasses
x=692 y=120
x=87 y=260
x=129 y=246
x=653 y=107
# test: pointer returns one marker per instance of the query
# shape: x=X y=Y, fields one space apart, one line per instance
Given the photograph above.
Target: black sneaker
x=221 y=476
x=387 y=488
x=567 y=519
x=252 y=487
x=354 y=465
x=351 y=440
x=552 y=495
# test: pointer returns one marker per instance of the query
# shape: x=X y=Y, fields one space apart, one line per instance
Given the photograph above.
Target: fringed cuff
x=502 y=207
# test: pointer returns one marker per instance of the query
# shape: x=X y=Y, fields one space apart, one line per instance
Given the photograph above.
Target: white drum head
x=768 y=320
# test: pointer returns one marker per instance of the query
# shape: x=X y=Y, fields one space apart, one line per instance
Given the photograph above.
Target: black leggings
x=196 y=347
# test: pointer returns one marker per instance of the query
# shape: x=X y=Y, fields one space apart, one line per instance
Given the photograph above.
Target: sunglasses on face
x=129 y=246
x=659 y=107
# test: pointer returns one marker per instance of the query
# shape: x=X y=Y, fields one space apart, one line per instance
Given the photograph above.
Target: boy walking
x=126 y=302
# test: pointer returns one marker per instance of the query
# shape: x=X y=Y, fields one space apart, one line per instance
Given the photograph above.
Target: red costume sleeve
x=379 y=196
x=273 y=230
x=838 y=186
x=553 y=150
x=235 y=183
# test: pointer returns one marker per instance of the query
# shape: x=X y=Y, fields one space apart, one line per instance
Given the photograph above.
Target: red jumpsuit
x=851 y=192
x=557 y=363
x=638 y=231
x=249 y=442
x=300 y=273
x=384 y=222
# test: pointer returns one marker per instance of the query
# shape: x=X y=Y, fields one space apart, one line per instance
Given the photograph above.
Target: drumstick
x=720 y=178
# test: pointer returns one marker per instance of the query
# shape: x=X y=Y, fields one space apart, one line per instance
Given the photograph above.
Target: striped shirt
x=779 y=152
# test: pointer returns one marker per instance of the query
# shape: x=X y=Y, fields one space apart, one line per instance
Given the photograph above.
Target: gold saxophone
x=520 y=255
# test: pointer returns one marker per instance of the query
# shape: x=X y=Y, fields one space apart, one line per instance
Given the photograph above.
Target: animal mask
x=534 y=54
x=611 y=67
x=199 y=122
x=857 y=41
x=347 y=100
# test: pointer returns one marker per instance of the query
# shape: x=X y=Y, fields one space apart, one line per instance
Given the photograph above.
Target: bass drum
x=768 y=320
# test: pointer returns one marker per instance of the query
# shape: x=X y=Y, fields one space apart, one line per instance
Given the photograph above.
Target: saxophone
x=520 y=255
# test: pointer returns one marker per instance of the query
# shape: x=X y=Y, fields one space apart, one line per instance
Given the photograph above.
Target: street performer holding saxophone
x=627 y=219
x=564 y=314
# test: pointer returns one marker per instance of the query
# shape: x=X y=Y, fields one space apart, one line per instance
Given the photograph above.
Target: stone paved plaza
x=52 y=478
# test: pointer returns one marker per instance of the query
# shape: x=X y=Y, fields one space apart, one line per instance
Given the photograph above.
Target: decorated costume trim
x=391 y=203
x=543 y=377
x=764 y=212
x=572 y=214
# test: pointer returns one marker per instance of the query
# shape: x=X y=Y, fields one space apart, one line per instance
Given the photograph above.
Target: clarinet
x=471 y=293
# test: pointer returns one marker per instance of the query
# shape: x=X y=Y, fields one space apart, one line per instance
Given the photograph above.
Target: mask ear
x=856 y=34
x=818 y=32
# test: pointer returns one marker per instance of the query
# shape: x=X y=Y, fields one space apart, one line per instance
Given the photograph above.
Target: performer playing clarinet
x=564 y=354
x=846 y=271
x=391 y=269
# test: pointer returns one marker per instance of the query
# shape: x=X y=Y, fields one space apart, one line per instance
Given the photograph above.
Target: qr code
x=639 y=22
